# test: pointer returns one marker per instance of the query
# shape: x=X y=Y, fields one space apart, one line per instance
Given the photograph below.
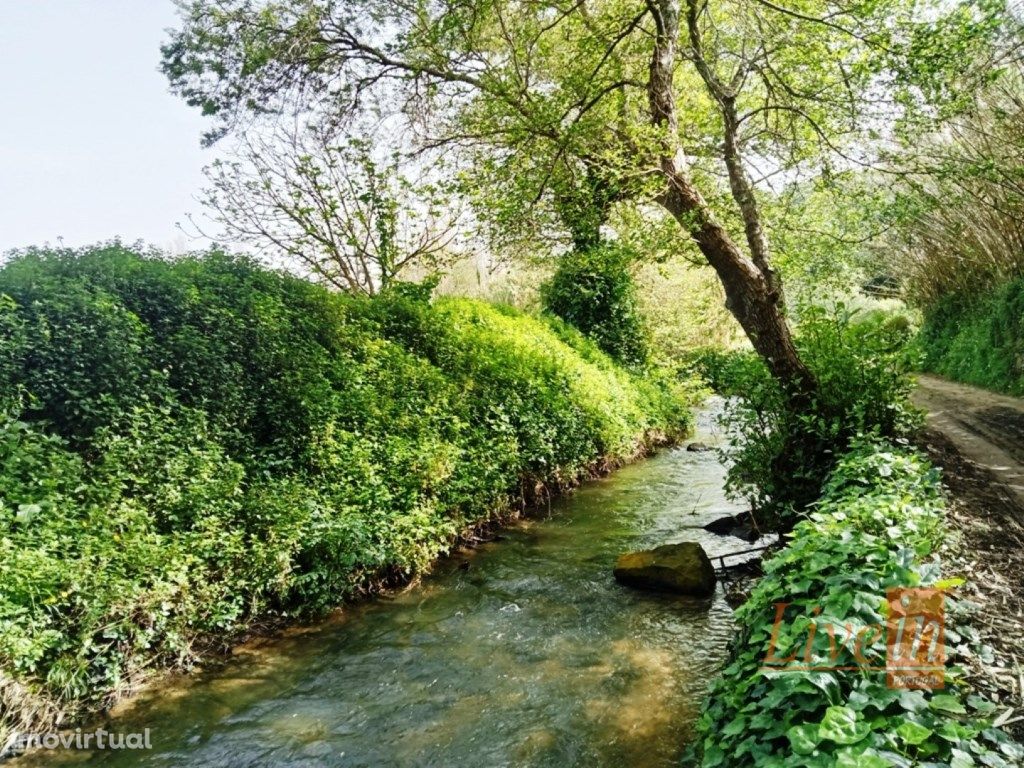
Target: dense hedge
x=594 y=290
x=978 y=340
x=187 y=445
x=879 y=520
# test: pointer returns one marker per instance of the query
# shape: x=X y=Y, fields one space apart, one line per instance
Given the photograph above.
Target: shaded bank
x=978 y=339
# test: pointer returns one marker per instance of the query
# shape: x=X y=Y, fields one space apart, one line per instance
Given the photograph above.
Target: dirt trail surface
x=987 y=429
x=977 y=437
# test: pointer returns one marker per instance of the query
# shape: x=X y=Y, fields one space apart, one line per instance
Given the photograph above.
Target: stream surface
x=521 y=652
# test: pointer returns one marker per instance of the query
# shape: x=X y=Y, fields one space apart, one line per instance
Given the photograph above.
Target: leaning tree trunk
x=753 y=298
x=753 y=290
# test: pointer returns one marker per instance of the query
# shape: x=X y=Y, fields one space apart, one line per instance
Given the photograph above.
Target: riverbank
x=194 y=447
x=519 y=651
x=809 y=684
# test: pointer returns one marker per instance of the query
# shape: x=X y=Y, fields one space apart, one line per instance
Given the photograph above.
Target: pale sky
x=92 y=144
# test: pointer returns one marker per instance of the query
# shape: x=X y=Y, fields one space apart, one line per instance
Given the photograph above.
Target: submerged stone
x=722 y=526
x=740 y=526
x=681 y=568
x=698 y=447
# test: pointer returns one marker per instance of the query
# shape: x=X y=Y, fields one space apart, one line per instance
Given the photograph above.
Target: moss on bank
x=187 y=446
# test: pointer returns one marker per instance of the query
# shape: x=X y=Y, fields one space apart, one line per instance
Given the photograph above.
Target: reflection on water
x=530 y=656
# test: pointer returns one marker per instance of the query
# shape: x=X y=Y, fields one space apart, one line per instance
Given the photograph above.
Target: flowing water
x=522 y=652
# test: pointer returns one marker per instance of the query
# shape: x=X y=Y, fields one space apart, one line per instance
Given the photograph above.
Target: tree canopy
x=557 y=111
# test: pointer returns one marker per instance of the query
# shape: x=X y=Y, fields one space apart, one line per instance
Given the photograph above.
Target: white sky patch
x=92 y=144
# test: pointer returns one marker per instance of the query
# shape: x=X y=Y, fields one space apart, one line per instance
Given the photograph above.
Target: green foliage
x=978 y=340
x=726 y=371
x=780 y=456
x=594 y=291
x=187 y=446
x=880 y=518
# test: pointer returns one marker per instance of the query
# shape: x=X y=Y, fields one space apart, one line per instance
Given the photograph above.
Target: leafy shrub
x=188 y=445
x=978 y=340
x=726 y=371
x=880 y=518
x=780 y=456
x=594 y=291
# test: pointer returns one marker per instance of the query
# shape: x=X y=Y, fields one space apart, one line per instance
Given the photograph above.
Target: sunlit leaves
x=211 y=443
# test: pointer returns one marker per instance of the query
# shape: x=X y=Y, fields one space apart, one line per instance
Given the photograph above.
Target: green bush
x=186 y=446
x=594 y=291
x=978 y=340
x=879 y=520
x=726 y=371
x=779 y=456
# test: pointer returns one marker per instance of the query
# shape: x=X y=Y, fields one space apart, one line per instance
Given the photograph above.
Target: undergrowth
x=778 y=456
x=188 y=446
x=978 y=340
x=807 y=686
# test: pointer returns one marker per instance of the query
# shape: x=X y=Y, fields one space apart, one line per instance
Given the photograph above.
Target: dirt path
x=977 y=437
x=987 y=429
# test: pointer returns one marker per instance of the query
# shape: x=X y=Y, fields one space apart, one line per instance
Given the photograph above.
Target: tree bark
x=743 y=193
x=753 y=290
x=750 y=295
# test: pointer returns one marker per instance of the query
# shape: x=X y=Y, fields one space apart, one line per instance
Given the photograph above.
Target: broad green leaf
x=804 y=738
x=849 y=759
x=913 y=733
x=840 y=724
x=735 y=727
x=943 y=702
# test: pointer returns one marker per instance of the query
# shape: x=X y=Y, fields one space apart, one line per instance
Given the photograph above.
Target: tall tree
x=350 y=216
x=658 y=100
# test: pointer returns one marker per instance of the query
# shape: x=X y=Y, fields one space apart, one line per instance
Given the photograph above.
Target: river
x=521 y=652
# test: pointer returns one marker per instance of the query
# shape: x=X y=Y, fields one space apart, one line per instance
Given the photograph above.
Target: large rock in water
x=682 y=568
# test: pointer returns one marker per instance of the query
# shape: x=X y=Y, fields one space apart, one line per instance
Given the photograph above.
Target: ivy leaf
x=1012 y=749
x=913 y=733
x=946 y=703
x=981 y=704
x=713 y=755
x=840 y=724
x=850 y=759
x=804 y=738
x=736 y=727
x=913 y=701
